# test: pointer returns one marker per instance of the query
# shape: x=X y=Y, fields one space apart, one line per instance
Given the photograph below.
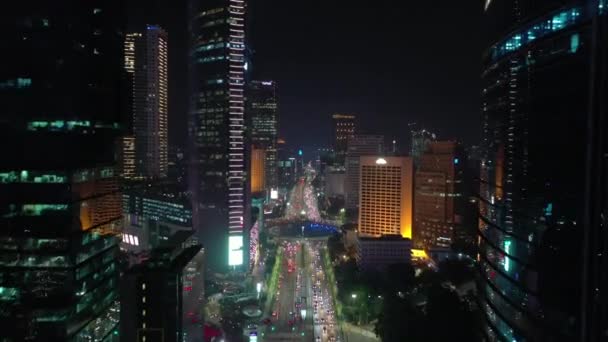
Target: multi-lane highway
x=303 y=307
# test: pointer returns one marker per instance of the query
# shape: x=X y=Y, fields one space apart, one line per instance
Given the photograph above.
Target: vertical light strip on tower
x=236 y=160
x=163 y=110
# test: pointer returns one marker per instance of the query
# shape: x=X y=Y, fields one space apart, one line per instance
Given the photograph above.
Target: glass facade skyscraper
x=539 y=148
x=263 y=113
x=59 y=197
x=218 y=150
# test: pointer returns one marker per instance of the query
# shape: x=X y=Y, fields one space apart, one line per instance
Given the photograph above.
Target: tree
x=399 y=278
x=400 y=321
x=450 y=315
x=335 y=246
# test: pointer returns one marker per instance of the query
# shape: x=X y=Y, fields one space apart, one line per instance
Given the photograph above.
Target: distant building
x=420 y=141
x=287 y=166
x=385 y=196
x=146 y=59
x=334 y=182
x=326 y=158
x=162 y=297
x=358 y=146
x=343 y=128
x=258 y=170
x=438 y=195
x=376 y=253
x=262 y=101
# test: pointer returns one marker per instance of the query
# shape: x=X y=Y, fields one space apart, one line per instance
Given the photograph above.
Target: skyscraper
x=287 y=166
x=146 y=55
x=263 y=112
x=358 y=146
x=59 y=197
x=344 y=128
x=385 y=196
x=126 y=157
x=438 y=195
x=543 y=171
x=420 y=141
x=217 y=146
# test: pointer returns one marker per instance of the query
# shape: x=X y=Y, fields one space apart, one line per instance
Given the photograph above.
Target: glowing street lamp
x=353 y=296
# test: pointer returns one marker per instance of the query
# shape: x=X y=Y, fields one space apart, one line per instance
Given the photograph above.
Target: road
x=193 y=296
x=303 y=199
x=303 y=308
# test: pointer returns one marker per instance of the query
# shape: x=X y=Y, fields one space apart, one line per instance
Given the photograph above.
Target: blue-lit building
x=543 y=172
x=151 y=215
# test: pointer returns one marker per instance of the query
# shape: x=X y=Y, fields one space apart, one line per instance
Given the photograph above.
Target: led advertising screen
x=235 y=250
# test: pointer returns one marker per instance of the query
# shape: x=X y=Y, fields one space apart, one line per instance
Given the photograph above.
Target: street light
x=353 y=296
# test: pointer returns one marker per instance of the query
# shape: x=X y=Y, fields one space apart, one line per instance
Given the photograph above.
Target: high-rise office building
x=217 y=143
x=420 y=141
x=438 y=195
x=343 y=129
x=126 y=157
x=543 y=172
x=287 y=166
x=263 y=112
x=146 y=55
x=59 y=196
x=358 y=146
x=258 y=170
x=385 y=196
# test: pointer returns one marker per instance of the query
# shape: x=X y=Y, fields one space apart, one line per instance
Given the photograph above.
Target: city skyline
x=256 y=171
x=366 y=84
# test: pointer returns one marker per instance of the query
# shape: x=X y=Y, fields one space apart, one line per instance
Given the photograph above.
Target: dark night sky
x=389 y=62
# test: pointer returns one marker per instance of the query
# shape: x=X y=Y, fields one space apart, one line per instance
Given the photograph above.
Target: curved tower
x=539 y=149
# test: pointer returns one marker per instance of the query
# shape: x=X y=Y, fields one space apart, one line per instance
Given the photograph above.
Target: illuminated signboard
x=274 y=194
x=235 y=250
x=381 y=161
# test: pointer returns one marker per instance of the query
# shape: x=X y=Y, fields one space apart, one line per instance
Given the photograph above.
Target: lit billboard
x=235 y=250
